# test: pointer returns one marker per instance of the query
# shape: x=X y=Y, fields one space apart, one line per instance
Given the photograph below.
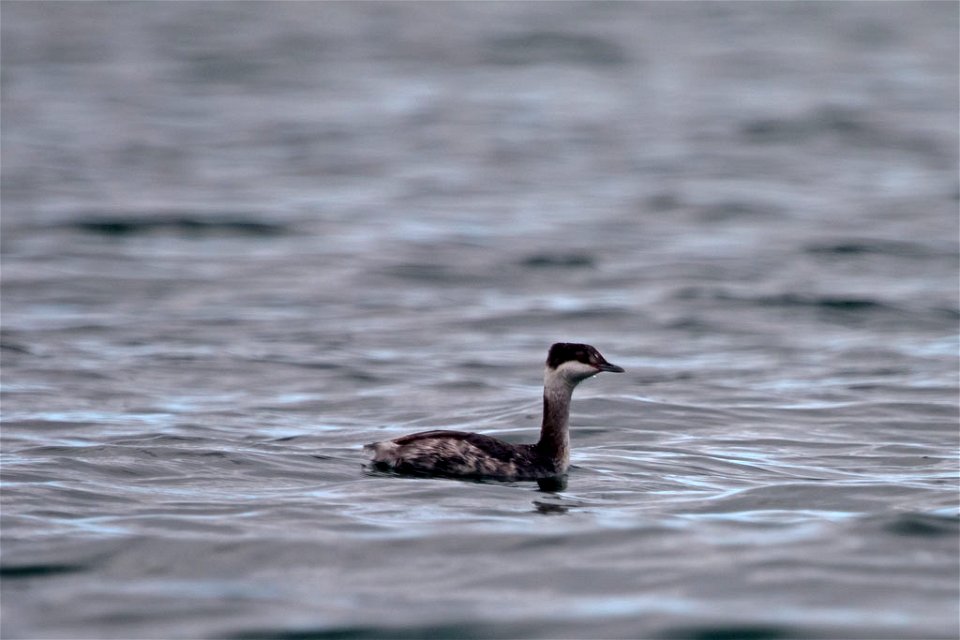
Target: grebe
x=472 y=455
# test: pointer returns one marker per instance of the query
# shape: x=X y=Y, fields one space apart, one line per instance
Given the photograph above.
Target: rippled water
x=241 y=240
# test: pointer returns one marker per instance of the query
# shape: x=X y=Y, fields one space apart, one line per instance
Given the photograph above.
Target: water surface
x=241 y=240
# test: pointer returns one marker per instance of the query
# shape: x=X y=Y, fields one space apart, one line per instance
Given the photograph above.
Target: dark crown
x=566 y=351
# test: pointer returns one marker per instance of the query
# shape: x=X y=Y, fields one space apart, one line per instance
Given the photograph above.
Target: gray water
x=239 y=241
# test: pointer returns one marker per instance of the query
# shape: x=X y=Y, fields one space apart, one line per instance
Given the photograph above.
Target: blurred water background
x=239 y=240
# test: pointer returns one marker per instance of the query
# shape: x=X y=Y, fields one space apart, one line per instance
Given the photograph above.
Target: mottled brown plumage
x=463 y=454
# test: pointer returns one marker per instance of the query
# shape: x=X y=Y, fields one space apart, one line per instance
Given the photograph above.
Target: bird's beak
x=612 y=368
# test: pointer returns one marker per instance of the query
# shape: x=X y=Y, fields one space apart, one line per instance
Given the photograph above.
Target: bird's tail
x=385 y=452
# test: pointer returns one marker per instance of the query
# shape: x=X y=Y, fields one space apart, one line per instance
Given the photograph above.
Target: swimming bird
x=473 y=455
